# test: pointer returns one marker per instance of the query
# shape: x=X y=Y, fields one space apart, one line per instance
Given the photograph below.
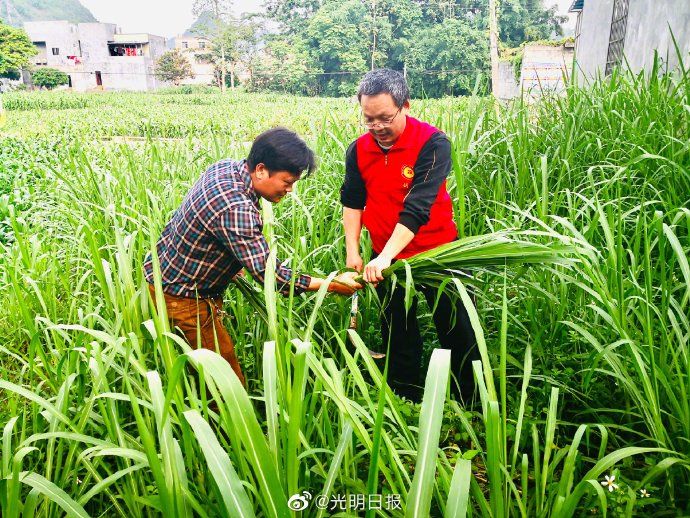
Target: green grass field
x=585 y=370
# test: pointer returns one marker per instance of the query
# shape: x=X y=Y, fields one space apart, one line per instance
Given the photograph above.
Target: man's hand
x=345 y=284
x=373 y=271
x=355 y=262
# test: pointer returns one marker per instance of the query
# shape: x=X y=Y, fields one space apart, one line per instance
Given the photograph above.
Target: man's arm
x=343 y=284
x=431 y=170
x=352 y=221
x=353 y=196
x=239 y=228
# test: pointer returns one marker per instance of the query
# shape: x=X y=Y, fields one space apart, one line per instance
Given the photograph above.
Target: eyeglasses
x=380 y=124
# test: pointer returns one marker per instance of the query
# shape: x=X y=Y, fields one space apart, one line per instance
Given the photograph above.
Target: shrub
x=49 y=78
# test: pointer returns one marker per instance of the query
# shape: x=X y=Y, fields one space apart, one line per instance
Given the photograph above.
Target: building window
x=56 y=51
x=185 y=45
x=127 y=49
x=202 y=44
x=619 y=24
x=41 y=53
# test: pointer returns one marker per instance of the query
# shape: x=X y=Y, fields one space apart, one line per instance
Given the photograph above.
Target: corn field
x=585 y=371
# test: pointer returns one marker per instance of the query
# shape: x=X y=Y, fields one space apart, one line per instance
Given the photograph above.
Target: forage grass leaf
x=107 y=482
x=270 y=372
x=590 y=478
x=235 y=498
x=7 y=446
x=51 y=409
x=479 y=335
x=459 y=492
x=339 y=455
x=430 y=418
x=247 y=428
x=682 y=257
x=54 y=494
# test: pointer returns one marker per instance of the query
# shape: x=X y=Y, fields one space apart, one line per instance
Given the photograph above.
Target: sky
x=160 y=17
x=171 y=17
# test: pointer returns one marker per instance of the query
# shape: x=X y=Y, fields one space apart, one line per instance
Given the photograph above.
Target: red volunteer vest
x=388 y=178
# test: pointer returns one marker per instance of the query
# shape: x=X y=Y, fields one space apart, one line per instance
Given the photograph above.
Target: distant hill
x=16 y=12
x=201 y=26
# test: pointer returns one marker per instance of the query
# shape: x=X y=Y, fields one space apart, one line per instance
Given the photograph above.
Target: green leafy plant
x=49 y=78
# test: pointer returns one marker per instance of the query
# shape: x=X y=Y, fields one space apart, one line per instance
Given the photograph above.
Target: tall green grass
x=584 y=371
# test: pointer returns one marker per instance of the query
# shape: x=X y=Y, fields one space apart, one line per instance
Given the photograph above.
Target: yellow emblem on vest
x=407 y=172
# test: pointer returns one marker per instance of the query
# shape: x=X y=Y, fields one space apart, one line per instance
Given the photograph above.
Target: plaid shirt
x=213 y=235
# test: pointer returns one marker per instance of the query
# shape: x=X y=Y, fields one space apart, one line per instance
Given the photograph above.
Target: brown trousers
x=200 y=322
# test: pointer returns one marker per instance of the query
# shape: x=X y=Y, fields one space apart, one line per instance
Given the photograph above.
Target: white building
x=97 y=55
x=611 y=33
x=197 y=50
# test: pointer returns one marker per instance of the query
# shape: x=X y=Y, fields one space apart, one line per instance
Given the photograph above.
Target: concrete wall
x=507 y=83
x=94 y=39
x=545 y=68
x=203 y=73
x=194 y=43
x=157 y=46
x=592 y=44
x=126 y=73
x=647 y=30
x=61 y=35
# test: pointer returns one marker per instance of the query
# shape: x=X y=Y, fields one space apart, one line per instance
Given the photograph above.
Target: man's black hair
x=281 y=149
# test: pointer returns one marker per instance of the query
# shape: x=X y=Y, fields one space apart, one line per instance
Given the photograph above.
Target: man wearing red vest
x=395 y=186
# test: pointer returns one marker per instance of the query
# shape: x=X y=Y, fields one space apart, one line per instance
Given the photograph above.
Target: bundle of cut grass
x=496 y=249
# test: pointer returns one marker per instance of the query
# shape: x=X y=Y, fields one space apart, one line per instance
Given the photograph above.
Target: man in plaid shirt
x=217 y=231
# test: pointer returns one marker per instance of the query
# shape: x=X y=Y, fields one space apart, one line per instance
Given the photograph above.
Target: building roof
x=577 y=6
x=134 y=38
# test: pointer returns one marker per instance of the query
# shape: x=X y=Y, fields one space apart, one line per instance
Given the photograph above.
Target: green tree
x=407 y=20
x=283 y=66
x=344 y=41
x=527 y=20
x=433 y=39
x=229 y=36
x=173 y=67
x=472 y=11
x=15 y=49
x=446 y=59
x=518 y=20
x=13 y=74
x=49 y=78
x=292 y=15
x=234 y=44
